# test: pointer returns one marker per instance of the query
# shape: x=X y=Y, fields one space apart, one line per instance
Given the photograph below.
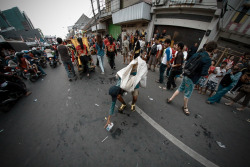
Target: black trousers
x=111 y=56
x=171 y=77
x=85 y=60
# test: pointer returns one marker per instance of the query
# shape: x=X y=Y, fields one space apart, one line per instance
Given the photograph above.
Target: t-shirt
x=220 y=72
x=167 y=56
x=125 y=45
x=111 y=47
x=178 y=60
x=185 y=54
x=142 y=44
x=63 y=52
x=106 y=41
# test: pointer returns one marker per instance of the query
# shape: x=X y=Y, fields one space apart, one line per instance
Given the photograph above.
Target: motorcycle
x=9 y=97
x=43 y=62
x=52 y=60
x=32 y=73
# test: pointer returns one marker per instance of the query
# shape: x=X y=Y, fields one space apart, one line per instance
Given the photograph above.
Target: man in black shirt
x=176 y=67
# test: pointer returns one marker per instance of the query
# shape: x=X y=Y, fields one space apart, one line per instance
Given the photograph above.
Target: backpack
x=154 y=50
x=192 y=65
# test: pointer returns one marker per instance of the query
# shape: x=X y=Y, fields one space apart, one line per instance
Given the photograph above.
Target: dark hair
x=224 y=63
x=214 y=61
x=99 y=40
x=168 y=41
x=107 y=35
x=211 y=46
x=126 y=36
x=80 y=42
x=181 y=45
x=110 y=40
x=59 y=40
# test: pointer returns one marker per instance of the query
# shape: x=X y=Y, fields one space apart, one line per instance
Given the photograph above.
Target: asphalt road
x=64 y=127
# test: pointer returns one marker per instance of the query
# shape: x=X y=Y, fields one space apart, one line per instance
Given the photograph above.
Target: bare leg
x=212 y=91
x=174 y=95
x=185 y=102
x=134 y=99
x=119 y=97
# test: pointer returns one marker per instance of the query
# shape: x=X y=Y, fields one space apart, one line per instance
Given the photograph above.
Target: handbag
x=226 y=80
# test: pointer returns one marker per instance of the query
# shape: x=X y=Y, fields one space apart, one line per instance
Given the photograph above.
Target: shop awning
x=140 y=11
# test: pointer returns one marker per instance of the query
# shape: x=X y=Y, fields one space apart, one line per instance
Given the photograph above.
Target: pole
x=94 y=16
x=98 y=6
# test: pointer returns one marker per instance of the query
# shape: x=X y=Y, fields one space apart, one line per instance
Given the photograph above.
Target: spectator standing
x=203 y=61
x=100 y=47
x=165 y=60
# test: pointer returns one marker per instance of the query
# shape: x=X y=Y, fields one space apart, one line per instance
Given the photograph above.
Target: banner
x=84 y=41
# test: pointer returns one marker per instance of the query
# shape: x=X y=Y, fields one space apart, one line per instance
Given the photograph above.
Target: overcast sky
x=52 y=16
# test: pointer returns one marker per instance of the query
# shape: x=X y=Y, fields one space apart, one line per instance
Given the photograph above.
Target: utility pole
x=98 y=6
x=94 y=16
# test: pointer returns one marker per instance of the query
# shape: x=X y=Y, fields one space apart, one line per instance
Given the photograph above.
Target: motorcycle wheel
x=33 y=78
x=24 y=76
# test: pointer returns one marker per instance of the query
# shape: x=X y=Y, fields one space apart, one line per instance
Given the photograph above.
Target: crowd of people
x=198 y=69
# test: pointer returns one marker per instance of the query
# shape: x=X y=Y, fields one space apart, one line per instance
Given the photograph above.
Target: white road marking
x=175 y=141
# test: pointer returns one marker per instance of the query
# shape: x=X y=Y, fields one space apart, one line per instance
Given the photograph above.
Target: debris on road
x=97 y=105
x=248 y=120
x=106 y=118
x=110 y=126
x=125 y=93
x=220 y=144
x=1 y=130
x=35 y=100
x=69 y=97
x=198 y=116
x=164 y=88
x=104 y=139
x=234 y=112
x=68 y=90
x=160 y=87
x=150 y=98
x=42 y=79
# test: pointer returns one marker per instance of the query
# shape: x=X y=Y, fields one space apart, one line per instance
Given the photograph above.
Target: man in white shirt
x=215 y=78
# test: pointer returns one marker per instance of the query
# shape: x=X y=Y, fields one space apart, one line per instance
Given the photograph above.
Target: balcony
x=138 y=12
x=100 y=27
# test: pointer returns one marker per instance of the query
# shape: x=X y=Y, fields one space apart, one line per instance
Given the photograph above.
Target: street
x=65 y=126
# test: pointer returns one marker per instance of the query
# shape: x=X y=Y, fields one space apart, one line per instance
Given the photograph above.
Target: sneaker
x=102 y=73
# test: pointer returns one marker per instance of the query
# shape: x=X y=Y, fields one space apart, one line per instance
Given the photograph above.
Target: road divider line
x=175 y=141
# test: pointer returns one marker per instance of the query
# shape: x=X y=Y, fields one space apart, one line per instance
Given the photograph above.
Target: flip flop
x=168 y=101
x=185 y=110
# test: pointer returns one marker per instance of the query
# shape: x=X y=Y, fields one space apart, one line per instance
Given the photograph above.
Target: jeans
x=168 y=71
x=41 y=69
x=162 y=69
x=171 y=78
x=100 y=58
x=66 y=64
x=219 y=94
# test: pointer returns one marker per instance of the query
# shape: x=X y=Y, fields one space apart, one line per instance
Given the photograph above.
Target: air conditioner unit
x=159 y=2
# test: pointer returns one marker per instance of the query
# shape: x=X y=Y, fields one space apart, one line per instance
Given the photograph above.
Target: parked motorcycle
x=52 y=60
x=9 y=97
x=43 y=62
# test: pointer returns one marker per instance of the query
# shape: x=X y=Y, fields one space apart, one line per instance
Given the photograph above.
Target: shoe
x=28 y=93
x=102 y=73
x=122 y=107
x=133 y=107
x=44 y=74
x=153 y=70
x=185 y=110
x=228 y=104
x=209 y=102
x=114 y=68
x=168 y=101
x=240 y=109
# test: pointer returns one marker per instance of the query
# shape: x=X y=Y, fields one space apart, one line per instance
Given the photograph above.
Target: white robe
x=129 y=82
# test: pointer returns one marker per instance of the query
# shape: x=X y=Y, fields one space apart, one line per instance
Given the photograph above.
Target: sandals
x=168 y=101
x=185 y=110
x=133 y=107
x=122 y=107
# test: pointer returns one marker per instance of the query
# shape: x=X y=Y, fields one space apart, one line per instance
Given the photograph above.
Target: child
x=202 y=82
x=215 y=78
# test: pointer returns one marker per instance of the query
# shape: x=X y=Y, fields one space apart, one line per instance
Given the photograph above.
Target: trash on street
x=220 y=144
x=248 y=120
x=97 y=105
x=150 y=98
x=1 y=130
x=160 y=87
x=35 y=100
x=104 y=139
x=110 y=126
x=69 y=97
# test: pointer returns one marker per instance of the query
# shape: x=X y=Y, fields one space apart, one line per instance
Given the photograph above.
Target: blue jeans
x=41 y=69
x=219 y=94
x=162 y=69
x=66 y=63
x=100 y=58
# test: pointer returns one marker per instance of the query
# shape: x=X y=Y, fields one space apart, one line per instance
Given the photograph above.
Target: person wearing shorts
x=189 y=81
x=125 y=50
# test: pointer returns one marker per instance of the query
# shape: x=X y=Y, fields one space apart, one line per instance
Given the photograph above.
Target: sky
x=52 y=16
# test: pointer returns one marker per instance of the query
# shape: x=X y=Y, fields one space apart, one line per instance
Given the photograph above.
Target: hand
x=108 y=122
